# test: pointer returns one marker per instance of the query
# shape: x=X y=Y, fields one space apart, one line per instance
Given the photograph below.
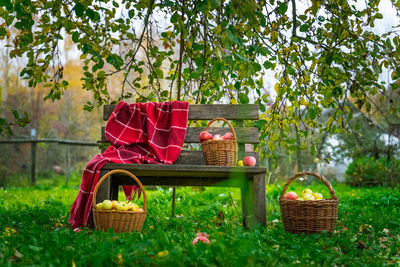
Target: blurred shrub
x=368 y=171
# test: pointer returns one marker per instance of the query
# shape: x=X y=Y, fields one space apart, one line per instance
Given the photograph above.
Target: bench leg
x=253 y=201
x=104 y=189
x=114 y=189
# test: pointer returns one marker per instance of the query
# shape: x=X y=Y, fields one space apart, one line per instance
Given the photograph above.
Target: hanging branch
x=181 y=53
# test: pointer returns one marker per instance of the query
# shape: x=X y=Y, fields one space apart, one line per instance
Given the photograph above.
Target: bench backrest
x=245 y=135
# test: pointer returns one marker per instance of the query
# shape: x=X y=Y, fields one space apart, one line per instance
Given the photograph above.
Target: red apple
x=228 y=136
x=217 y=137
x=249 y=161
x=291 y=195
x=205 y=136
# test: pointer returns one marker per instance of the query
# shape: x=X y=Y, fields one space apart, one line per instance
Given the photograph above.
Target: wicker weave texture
x=220 y=152
x=120 y=221
x=310 y=216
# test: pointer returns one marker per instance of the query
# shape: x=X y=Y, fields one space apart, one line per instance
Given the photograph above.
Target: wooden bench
x=190 y=169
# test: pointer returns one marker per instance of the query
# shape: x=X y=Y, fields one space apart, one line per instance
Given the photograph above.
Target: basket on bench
x=220 y=152
x=309 y=216
x=120 y=221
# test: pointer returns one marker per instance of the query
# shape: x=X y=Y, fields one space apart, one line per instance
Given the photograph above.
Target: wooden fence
x=34 y=143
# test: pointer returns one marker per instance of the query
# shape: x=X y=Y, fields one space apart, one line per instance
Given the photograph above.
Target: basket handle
x=319 y=176
x=221 y=119
x=122 y=172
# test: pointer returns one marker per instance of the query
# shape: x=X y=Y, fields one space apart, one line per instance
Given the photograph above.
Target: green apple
x=132 y=206
x=114 y=204
x=308 y=197
x=107 y=204
x=318 y=196
x=122 y=206
x=300 y=198
x=99 y=206
x=240 y=163
x=306 y=191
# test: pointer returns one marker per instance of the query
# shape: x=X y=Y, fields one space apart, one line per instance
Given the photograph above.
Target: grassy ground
x=33 y=232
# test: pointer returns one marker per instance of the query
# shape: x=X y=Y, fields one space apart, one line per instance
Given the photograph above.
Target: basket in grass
x=120 y=221
x=220 y=152
x=309 y=216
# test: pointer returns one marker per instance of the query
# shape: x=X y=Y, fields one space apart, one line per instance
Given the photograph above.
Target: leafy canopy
x=321 y=53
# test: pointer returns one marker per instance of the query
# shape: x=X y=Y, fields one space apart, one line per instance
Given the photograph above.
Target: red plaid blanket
x=139 y=133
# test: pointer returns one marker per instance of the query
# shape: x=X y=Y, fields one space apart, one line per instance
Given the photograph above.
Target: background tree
x=321 y=53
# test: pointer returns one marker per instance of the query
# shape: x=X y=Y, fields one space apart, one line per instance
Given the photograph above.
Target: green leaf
x=3 y=32
x=115 y=60
x=174 y=18
x=243 y=98
x=312 y=113
x=16 y=115
x=304 y=27
x=283 y=7
x=75 y=37
x=79 y=9
x=268 y=65
x=202 y=6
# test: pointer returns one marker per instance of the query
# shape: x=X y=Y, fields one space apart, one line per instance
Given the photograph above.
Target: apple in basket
x=227 y=136
x=318 y=196
x=107 y=204
x=306 y=191
x=122 y=206
x=132 y=206
x=99 y=206
x=308 y=197
x=249 y=161
x=217 y=137
x=205 y=136
x=114 y=204
x=140 y=210
x=291 y=196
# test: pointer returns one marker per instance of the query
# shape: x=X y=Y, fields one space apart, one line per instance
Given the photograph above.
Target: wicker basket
x=220 y=152
x=309 y=216
x=120 y=221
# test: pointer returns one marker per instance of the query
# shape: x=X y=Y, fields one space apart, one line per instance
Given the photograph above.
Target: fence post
x=33 y=161
x=68 y=164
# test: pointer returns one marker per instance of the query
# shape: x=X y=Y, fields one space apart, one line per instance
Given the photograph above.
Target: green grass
x=33 y=232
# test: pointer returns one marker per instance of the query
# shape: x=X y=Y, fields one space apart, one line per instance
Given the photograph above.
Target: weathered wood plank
x=180 y=181
x=260 y=198
x=246 y=135
x=249 y=217
x=195 y=157
x=186 y=170
x=211 y=111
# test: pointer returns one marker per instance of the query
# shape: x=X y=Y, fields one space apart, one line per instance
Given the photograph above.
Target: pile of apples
x=306 y=194
x=205 y=136
x=118 y=205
